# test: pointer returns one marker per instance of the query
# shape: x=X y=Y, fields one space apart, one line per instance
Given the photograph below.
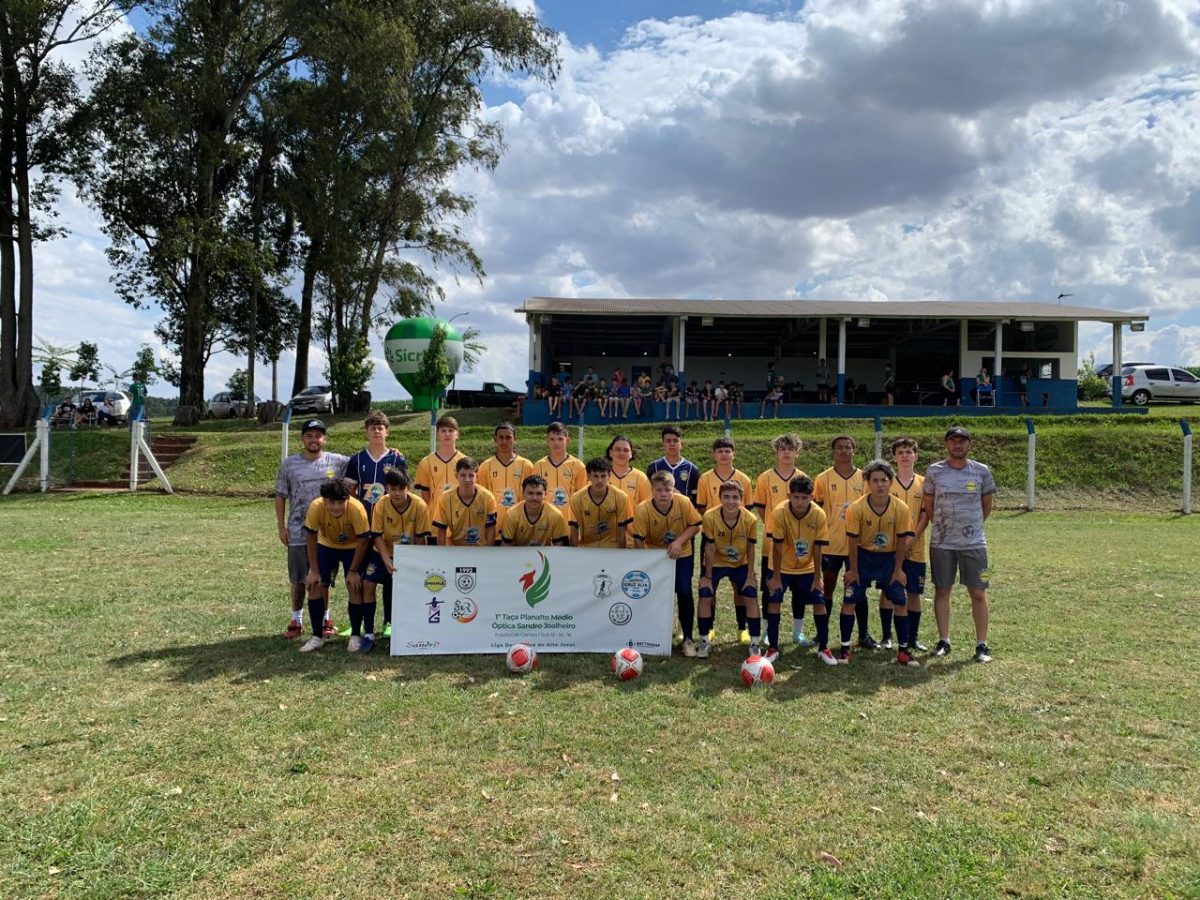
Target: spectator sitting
x=87 y=412
x=106 y=414
x=65 y=413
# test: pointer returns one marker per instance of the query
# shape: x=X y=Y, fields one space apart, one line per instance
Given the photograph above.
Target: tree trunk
x=27 y=405
x=304 y=332
x=8 y=257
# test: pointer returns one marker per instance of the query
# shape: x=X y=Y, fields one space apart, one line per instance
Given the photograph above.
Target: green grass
x=157 y=738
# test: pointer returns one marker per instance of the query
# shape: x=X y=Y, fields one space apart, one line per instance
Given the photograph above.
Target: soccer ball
x=756 y=670
x=626 y=664
x=521 y=658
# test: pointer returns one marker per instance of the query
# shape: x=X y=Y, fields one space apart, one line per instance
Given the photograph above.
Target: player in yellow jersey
x=771 y=489
x=336 y=531
x=466 y=516
x=878 y=532
x=834 y=490
x=600 y=513
x=436 y=472
x=503 y=472
x=632 y=481
x=708 y=497
x=730 y=532
x=400 y=517
x=563 y=472
x=910 y=487
x=668 y=521
x=798 y=533
x=533 y=522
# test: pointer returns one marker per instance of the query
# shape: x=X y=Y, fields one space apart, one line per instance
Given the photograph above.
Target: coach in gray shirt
x=958 y=499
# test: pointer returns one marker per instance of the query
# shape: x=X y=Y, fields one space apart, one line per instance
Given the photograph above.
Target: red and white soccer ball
x=626 y=664
x=521 y=658
x=756 y=670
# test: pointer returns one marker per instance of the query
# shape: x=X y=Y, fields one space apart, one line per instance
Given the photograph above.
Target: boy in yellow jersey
x=400 y=517
x=336 y=531
x=600 y=513
x=910 y=487
x=835 y=490
x=878 y=532
x=533 y=522
x=466 y=516
x=708 y=497
x=798 y=533
x=730 y=532
x=503 y=472
x=436 y=473
x=668 y=521
x=770 y=489
x=564 y=473
x=632 y=481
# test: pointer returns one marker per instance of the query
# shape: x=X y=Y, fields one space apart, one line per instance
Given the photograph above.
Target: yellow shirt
x=598 y=522
x=878 y=532
x=658 y=530
x=562 y=480
x=550 y=528
x=708 y=489
x=465 y=523
x=504 y=481
x=913 y=497
x=771 y=489
x=340 y=532
x=437 y=475
x=409 y=525
x=734 y=545
x=799 y=536
x=835 y=494
x=636 y=484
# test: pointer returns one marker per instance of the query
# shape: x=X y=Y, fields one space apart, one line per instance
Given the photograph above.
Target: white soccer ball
x=756 y=670
x=626 y=663
x=521 y=658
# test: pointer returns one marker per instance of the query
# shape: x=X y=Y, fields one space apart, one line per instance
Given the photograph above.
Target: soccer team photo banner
x=557 y=599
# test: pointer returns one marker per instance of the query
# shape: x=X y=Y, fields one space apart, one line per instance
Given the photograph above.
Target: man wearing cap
x=299 y=483
x=958 y=499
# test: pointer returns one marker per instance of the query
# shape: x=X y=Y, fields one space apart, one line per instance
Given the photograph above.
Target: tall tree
x=36 y=93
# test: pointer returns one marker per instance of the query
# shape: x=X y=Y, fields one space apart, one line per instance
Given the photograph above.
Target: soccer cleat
x=387 y=629
x=826 y=656
x=345 y=632
x=801 y=639
x=917 y=646
x=904 y=658
x=942 y=648
x=368 y=644
x=983 y=653
x=754 y=649
x=744 y=636
x=354 y=644
x=313 y=643
x=704 y=649
x=688 y=648
x=843 y=655
x=772 y=655
x=712 y=636
x=888 y=644
x=329 y=630
x=866 y=642
x=294 y=630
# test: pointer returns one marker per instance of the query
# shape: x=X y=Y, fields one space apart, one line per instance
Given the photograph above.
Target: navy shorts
x=374 y=570
x=802 y=588
x=876 y=568
x=685 y=568
x=738 y=576
x=329 y=559
x=915 y=573
x=831 y=562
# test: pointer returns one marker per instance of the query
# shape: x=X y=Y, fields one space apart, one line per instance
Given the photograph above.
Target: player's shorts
x=915 y=573
x=329 y=559
x=831 y=562
x=685 y=568
x=970 y=565
x=802 y=588
x=738 y=576
x=876 y=568
x=297 y=563
x=374 y=570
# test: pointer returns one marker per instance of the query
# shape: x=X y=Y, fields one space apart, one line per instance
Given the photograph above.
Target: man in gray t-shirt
x=958 y=499
x=298 y=484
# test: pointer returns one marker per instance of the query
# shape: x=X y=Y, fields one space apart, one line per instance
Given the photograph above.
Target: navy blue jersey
x=685 y=473
x=368 y=473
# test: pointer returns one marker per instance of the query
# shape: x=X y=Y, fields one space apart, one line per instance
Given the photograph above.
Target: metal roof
x=900 y=309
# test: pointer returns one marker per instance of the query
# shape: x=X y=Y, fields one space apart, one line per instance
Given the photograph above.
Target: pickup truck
x=493 y=394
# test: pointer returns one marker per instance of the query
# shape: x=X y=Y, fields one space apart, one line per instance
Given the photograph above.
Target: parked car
x=492 y=394
x=119 y=399
x=1105 y=371
x=1141 y=384
x=316 y=398
x=223 y=406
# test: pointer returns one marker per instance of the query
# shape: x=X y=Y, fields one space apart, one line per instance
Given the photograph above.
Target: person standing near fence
x=958 y=499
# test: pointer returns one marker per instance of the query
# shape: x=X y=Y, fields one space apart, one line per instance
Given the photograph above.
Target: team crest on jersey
x=509 y=497
x=404 y=539
x=669 y=536
x=801 y=549
x=374 y=493
x=880 y=540
x=472 y=535
x=732 y=553
x=342 y=537
x=560 y=496
x=329 y=472
x=601 y=528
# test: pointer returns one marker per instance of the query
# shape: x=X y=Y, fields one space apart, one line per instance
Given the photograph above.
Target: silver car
x=119 y=399
x=316 y=398
x=223 y=406
x=1141 y=384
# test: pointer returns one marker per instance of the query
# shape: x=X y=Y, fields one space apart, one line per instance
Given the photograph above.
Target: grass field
x=157 y=738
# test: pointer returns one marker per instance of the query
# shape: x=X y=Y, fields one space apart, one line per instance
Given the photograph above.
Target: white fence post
x=283 y=437
x=1187 y=466
x=878 y=438
x=1030 y=464
x=41 y=442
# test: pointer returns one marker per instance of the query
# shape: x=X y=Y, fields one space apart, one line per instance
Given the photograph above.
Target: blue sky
x=839 y=149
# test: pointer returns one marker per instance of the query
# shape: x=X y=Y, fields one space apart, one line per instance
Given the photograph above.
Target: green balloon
x=405 y=346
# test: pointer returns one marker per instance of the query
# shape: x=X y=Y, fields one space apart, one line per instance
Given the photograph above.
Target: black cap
x=313 y=425
x=957 y=431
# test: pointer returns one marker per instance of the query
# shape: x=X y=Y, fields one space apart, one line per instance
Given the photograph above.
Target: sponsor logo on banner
x=636 y=584
x=465 y=610
x=434 y=608
x=602 y=585
x=423 y=645
x=620 y=613
x=435 y=582
x=536 y=583
x=464 y=579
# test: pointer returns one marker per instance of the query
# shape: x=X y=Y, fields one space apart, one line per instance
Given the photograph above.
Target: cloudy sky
x=835 y=149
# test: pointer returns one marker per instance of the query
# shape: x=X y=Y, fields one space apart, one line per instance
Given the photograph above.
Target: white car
x=223 y=406
x=119 y=399
x=316 y=398
x=1141 y=384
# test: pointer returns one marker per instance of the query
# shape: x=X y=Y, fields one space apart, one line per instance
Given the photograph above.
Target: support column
x=679 y=351
x=1116 y=370
x=997 y=362
x=841 y=362
x=823 y=339
x=535 y=354
x=962 y=355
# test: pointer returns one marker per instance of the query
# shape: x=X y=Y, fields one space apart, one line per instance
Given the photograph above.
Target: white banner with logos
x=557 y=599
